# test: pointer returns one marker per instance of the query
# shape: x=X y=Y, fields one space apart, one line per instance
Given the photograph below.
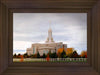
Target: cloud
x=21 y=45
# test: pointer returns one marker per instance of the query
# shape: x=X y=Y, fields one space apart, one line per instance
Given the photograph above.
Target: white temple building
x=49 y=45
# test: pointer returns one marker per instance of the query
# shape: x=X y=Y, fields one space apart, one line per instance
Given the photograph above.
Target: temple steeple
x=49 y=38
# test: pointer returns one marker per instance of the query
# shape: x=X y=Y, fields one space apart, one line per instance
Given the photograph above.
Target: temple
x=49 y=45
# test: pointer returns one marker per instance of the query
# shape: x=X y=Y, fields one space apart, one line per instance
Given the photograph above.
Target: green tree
x=38 y=55
x=63 y=54
x=54 y=55
x=44 y=56
x=49 y=53
x=19 y=55
x=32 y=56
x=14 y=56
x=25 y=55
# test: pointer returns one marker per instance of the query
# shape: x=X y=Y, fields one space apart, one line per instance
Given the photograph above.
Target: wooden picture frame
x=8 y=7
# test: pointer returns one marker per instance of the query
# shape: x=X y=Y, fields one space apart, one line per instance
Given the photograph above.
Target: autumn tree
x=84 y=54
x=74 y=55
x=69 y=51
x=34 y=55
x=59 y=55
x=60 y=52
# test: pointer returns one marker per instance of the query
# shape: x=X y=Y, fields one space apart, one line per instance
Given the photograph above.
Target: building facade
x=49 y=45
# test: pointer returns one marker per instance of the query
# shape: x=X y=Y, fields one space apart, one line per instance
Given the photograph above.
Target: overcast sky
x=69 y=28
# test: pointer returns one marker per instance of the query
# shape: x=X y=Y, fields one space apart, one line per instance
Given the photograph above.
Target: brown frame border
x=93 y=27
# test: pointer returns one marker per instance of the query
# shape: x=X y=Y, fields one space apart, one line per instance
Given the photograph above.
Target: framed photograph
x=49 y=37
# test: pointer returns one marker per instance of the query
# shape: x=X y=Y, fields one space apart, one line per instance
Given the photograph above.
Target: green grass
x=51 y=61
x=18 y=60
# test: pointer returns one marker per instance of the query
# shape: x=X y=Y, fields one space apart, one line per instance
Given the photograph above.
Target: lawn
x=51 y=60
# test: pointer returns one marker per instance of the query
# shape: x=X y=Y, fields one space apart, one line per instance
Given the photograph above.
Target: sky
x=69 y=28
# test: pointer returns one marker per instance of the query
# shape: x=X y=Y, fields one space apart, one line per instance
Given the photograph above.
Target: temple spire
x=49 y=38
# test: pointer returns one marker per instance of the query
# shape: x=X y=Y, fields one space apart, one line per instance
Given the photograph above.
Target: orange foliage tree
x=60 y=50
x=69 y=51
x=84 y=54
